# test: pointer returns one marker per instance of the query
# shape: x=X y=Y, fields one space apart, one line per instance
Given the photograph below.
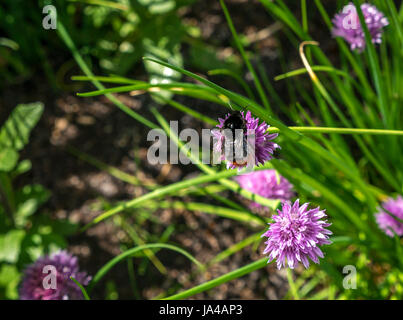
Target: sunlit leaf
x=15 y=132
x=29 y=198
x=10 y=245
x=9 y=279
x=8 y=159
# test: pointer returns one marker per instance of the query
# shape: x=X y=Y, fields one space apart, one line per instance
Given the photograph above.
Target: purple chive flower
x=266 y=183
x=386 y=221
x=264 y=147
x=296 y=235
x=33 y=285
x=346 y=24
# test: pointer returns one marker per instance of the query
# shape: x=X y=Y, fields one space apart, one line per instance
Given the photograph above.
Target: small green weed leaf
x=8 y=159
x=10 y=245
x=15 y=132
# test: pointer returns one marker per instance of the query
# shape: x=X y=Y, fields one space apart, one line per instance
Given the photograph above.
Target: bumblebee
x=234 y=131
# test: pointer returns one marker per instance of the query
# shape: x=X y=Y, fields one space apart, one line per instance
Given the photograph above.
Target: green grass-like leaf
x=127 y=254
x=220 y=280
x=85 y=294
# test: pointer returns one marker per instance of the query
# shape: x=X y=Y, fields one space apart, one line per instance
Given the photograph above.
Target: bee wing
x=250 y=154
x=228 y=148
x=240 y=146
x=244 y=151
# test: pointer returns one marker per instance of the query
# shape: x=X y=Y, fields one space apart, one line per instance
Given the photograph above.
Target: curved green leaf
x=127 y=254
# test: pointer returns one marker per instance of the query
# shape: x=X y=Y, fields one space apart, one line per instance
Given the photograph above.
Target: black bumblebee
x=235 y=121
x=234 y=130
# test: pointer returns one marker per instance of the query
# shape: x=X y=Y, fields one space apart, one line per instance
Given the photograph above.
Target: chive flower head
x=346 y=24
x=296 y=234
x=37 y=282
x=266 y=183
x=263 y=147
x=387 y=214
